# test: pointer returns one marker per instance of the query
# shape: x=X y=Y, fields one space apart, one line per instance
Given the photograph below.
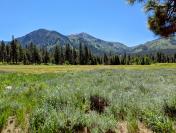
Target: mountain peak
x=44 y=31
x=85 y=35
x=41 y=30
x=44 y=37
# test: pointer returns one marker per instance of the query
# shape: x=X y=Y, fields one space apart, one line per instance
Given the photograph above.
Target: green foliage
x=132 y=125
x=170 y=108
x=60 y=102
x=158 y=123
x=64 y=55
x=162 y=16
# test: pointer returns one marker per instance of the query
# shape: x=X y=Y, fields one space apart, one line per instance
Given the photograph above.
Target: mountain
x=43 y=37
x=166 y=45
x=46 y=38
x=97 y=45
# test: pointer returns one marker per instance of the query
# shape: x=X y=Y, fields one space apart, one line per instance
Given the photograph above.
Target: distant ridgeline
x=14 y=53
x=44 y=47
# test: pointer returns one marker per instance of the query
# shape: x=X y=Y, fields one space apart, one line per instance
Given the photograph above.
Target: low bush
x=170 y=108
x=98 y=103
x=157 y=122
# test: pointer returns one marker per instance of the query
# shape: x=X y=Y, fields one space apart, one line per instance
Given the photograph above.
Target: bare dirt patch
x=122 y=127
x=11 y=126
x=143 y=128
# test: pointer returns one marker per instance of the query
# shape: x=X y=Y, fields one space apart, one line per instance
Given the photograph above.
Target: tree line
x=15 y=53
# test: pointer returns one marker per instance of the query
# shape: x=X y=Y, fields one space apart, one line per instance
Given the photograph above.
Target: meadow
x=83 y=99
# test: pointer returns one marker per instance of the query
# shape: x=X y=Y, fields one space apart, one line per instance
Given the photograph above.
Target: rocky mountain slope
x=46 y=38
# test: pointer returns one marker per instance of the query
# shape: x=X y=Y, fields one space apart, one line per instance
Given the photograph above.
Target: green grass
x=39 y=69
x=59 y=101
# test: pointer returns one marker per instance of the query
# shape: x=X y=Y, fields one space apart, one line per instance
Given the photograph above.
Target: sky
x=110 y=20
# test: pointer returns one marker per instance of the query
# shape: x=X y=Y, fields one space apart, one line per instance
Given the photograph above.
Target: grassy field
x=96 y=99
x=39 y=69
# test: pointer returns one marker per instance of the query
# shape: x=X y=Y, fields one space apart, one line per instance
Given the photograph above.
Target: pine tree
x=46 y=57
x=159 y=57
x=57 y=55
x=106 y=60
x=33 y=54
x=81 y=55
x=147 y=60
x=124 y=59
x=128 y=61
x=36 y=55
x=62 y=60
x=0 y=52
x=175 y=57
x=8 y=58
x=68 y=54
x=29 y=53
x=14 y=51
x=86 y=55
x=21 y=54
x=142 y=61
x=3 y=51
x=117 y=60
x=75 y=59
x=25 y=59
x=162 y=18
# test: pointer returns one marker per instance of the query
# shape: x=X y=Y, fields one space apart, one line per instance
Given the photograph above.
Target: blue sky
x=111 y=20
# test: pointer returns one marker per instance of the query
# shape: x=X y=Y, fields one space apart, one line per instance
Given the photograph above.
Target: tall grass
x=61 y=102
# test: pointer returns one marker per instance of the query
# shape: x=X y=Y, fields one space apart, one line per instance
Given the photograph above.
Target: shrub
x=158 y=123
x=98 y=103
x=170 y=108
x=38 y=119
x=132 y=125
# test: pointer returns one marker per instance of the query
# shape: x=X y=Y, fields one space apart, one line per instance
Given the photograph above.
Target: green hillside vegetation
x=15 y=53
x=97 y=46
x=157 y=45
x=49 y=39
x=43 y=38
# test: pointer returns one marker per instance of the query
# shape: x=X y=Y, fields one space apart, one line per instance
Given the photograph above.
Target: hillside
x=43 y=37
x=46 y=38
x=167 y=45
x=96 y=45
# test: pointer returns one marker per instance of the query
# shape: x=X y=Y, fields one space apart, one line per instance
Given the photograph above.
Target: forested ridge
x=15 y=53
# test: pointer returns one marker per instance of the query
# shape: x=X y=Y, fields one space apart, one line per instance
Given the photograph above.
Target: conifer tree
x=175 y=57
x=162 y=15
x=21 y=54
x=57 y=55
x=46 y=56
x=62 y=60
x=8 y=58
x=14 y=51
x=75 y=57
x=106 y=61
x=81 y=55
x=3 y=52
x=86 y=55
x=36 y=55
x=25 y=59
